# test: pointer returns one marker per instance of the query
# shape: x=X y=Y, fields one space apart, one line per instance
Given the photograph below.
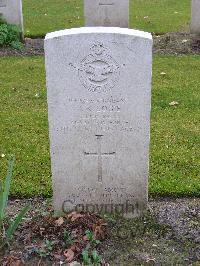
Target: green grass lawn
x=174 y=164
x=157 y=16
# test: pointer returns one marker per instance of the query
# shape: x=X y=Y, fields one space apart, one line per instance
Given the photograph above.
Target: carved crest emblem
x=98 y=71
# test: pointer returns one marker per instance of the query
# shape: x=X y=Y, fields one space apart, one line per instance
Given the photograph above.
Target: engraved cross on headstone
x=99 y=153
x=106 y=5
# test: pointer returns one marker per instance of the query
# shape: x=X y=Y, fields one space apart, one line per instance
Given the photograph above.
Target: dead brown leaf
x=75 y=248
x=69 y=254
x=59 y=222
x=12 y=261
x=99 y=229
x=174 y=103
x=73 y=216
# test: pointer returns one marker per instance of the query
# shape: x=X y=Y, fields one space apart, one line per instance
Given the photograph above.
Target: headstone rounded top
x=97 y=30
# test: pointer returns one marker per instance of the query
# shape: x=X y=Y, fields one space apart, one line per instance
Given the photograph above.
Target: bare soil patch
x=174 y=43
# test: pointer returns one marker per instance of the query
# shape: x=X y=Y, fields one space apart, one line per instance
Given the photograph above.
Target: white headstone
x=2 y=3
x=11 y=11
x=107 y=13
x=99 y=97
x=195 y=21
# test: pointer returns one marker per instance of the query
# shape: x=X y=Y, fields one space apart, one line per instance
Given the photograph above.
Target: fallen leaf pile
x=61 y=238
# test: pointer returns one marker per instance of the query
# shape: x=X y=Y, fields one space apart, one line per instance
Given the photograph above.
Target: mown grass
x=175 y=138
x=24 y=124
x=157 y=16
x=45 y=16
x=160 y=16
x=175 y=142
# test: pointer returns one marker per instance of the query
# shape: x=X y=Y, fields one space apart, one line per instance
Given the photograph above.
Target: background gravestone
x=99 y=96
x=195 y=20
x=107 y=13
x=2 y=3
x=11 y=11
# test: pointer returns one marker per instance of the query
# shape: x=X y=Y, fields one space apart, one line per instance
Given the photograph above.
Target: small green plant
x=96 y=258
x=86 y=257
x=90 y=236
x=92 y=258
x=10 y=35
x=67 y=238
x=89 y=254
x=110 y=218
x=7 y=234
x=46 y=249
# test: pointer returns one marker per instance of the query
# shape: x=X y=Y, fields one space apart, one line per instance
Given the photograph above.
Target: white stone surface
x=107 y=13
x=195 y=20
x=11 y=11
x=99 y=95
